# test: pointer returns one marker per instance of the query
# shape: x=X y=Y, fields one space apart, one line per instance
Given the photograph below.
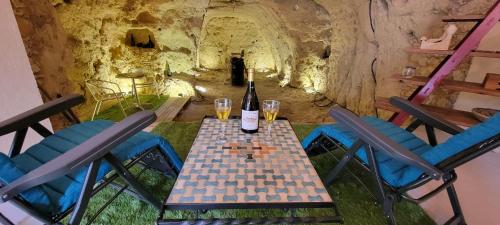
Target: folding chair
x=157 y=82
x=103 y=91
x=59 y=175
x=398 y=160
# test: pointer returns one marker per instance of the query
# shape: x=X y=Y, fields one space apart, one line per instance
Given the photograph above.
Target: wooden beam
x=475 y=53
x=453 y=85
x=169 y=110
x=492 y=81
x=458 y=117
x=463 y=18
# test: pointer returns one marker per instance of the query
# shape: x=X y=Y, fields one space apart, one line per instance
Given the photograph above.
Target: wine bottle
x=250 y=107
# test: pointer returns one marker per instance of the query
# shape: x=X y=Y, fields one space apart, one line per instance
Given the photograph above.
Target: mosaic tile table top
x=247 y=168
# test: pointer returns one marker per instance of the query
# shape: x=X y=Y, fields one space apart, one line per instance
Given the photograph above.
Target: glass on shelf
x=409 y=72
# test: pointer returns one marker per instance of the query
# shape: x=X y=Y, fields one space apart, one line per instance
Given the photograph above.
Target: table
x=249 y=171
x=133 y=76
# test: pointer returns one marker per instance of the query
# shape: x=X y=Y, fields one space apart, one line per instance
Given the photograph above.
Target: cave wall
x=46 y=44
x=227 y=35
x=309 y=27
x=324 y=46
x=99 y=33
x=298 y=35
x=96 y=37
x=417 y=19
x=398 y=24
x=48 y=50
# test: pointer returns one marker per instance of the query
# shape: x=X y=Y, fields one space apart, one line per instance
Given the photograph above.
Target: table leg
x=136 y=95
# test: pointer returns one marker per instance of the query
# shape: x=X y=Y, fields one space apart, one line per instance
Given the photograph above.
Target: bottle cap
x=250 y=72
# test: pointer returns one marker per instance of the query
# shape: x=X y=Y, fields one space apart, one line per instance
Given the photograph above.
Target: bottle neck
x=251 y=85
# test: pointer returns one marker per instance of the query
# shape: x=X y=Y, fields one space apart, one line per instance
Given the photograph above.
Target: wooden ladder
x=467 y=47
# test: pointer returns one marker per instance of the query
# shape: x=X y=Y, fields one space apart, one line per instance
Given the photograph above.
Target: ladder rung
x=453 y=85
x=454 y=116
x=465 y=18
x=476 y=53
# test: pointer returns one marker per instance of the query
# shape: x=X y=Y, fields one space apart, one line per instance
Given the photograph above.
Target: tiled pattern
x=254 y=168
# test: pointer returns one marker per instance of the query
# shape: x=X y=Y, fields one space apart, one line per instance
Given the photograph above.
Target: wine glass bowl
x=270 y=108
x=409 y=72
x=222 y=110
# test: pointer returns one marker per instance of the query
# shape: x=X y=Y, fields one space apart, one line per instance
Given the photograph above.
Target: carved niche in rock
x=142 y=38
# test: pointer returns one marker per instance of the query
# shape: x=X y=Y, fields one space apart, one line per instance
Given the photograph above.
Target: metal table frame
x=135 y=94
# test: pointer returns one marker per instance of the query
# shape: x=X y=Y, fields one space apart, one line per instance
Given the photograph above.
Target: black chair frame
x=370 y=138
x=91 y=152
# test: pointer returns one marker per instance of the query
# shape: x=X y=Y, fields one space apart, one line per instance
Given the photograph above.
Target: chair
x=102 y=91
x=398 y=160
x=58 y=176
x=157 y=82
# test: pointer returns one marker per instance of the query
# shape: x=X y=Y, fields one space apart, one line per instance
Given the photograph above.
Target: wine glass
x=222 y=109
x=409 y=72
x=270 y=109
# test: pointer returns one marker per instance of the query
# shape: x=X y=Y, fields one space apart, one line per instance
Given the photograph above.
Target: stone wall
x=397 y=24
x=226 y=35
x=325 y=46
x=48 y=49
x=99 y=32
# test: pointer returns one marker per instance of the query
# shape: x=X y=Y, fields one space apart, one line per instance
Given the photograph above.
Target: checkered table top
x=248 y=168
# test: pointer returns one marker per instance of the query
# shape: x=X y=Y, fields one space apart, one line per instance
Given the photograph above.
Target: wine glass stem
x=269 y=128
x=223 y=135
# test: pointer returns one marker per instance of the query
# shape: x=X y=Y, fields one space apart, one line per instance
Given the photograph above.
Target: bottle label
x=249 y=120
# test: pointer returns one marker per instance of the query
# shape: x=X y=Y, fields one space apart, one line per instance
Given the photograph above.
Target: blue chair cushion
x=392 y=171
x=58 y=195
x=464 y=140
x=9 y=173
x=396 y=173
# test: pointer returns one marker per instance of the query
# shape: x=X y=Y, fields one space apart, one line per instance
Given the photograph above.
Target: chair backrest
x=101 y=88
x=376 y=139
x=94 y=89
x=468 y=138
x=90 y=150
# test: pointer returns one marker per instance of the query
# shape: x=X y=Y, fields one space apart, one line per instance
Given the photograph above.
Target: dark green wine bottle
x=250 y=107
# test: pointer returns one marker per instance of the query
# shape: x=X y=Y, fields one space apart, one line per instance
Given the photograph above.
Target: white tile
x=16 y=215
x=477 y=187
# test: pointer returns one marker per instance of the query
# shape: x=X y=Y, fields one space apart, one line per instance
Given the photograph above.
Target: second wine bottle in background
x=250 y=107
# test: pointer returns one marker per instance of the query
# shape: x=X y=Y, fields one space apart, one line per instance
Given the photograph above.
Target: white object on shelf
x=442 y=43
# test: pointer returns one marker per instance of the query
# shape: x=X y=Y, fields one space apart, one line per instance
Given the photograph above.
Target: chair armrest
x=111 y=90
x=116 y=85
x=39 y=113
x=424 y=116
x=379 y=141
x=101 y=86
x=82 y=155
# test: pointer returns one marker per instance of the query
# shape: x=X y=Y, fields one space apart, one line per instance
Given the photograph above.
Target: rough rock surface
x=48 y=49
x=325 y=46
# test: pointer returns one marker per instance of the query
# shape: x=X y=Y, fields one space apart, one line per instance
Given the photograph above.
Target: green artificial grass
x=114 y=113
x=355 y=203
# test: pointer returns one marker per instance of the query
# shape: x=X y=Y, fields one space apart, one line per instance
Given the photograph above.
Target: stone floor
x=296 y=104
